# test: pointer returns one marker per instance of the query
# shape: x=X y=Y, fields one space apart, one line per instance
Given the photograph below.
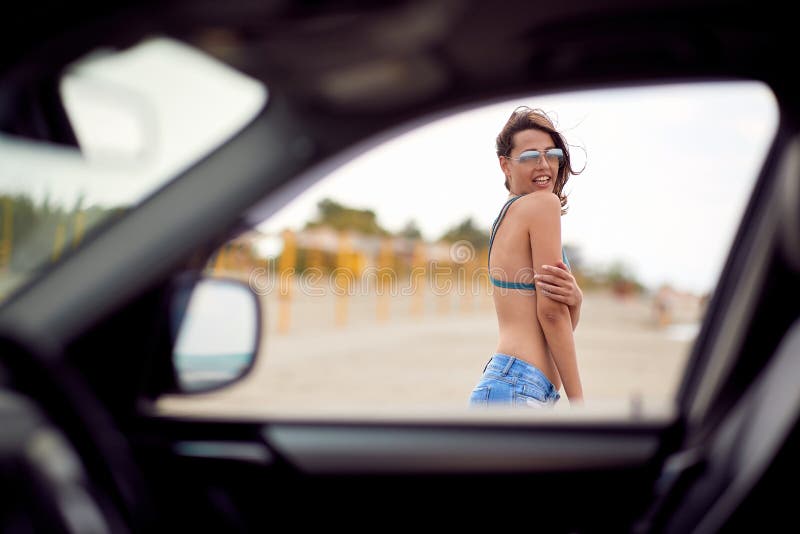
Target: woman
x=536 y=297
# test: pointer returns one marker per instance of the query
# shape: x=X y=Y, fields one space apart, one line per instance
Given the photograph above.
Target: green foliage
x=618 y=272
x=340 y=217
x=30 y=233
x=410 y=231
x=467 y=231
x=617 y=277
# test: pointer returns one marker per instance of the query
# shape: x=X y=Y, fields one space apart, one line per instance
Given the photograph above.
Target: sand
x=403 y=354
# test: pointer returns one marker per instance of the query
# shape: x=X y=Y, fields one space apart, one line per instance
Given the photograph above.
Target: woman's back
x=511 y=271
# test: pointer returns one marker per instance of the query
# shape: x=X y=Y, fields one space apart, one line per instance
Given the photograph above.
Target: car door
x=678 y=469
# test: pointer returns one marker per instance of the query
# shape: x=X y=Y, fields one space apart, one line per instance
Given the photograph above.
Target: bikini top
x=495 y=226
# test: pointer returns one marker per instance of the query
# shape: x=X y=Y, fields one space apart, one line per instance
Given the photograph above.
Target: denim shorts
x=509 y=381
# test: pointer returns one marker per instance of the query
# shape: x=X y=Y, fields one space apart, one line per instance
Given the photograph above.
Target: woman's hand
x=557 y=283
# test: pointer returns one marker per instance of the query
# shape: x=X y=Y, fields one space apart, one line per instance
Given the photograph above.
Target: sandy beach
x=364 y=353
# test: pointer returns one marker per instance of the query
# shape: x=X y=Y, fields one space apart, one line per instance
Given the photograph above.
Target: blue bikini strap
x=496 y=225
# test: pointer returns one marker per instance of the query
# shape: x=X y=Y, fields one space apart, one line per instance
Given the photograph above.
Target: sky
x=667 y=170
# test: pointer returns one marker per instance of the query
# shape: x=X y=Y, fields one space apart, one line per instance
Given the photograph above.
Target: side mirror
x=216 y=332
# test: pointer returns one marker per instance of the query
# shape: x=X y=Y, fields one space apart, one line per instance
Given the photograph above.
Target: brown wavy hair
x=525 y=118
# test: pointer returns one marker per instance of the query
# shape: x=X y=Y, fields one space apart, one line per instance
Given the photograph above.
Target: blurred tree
x=340 y=217
x=31 y=232
x=467 y=231
x=411 y=231
x=622 y=280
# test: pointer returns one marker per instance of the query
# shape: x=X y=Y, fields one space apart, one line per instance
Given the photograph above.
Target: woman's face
x=529 y=173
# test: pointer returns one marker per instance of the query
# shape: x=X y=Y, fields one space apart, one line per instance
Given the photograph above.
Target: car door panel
x=416 y=472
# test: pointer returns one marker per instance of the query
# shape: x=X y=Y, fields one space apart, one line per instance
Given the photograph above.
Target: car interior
x=88 y=333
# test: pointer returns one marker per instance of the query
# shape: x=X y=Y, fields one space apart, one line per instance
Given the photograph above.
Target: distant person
x=536 y=297
x=663 y=303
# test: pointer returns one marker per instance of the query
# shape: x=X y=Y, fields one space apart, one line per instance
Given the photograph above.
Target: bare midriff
x=520 y=334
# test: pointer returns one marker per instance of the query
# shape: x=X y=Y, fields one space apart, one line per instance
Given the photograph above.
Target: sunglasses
x=554 y=156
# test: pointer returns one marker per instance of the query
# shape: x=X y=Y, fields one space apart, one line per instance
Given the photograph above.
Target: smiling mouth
x=542 y=181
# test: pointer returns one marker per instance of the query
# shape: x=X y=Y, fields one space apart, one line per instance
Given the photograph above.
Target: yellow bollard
x=418 y=264
x=444 y=298
x=79 y=228
x=464 y=287
x=220 y=261
x=315 y=259
x=8 y=233
x=286 y=267
x=316 y=264
x=343 y=279
x=241 y=254
x=359 y=263
x=58 y=242
x=385 y=268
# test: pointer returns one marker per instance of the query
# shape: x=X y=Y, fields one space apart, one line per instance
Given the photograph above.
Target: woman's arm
x=558 y=284
x=544 y=216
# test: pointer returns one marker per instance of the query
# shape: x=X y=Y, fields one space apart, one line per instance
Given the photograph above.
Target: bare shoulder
x=541 y=206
